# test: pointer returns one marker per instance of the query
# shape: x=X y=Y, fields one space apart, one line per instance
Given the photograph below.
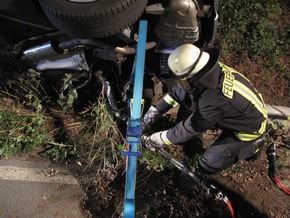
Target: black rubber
x=96 y=19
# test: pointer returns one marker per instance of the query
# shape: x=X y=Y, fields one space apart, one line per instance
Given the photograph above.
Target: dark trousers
x=228 y=150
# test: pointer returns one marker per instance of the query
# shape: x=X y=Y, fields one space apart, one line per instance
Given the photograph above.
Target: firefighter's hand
x=149 y=119
x=145 y=128
x=155 y=141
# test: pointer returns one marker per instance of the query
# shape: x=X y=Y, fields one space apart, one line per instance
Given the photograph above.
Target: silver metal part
x=156 y=9
x=42 y=51
x=179 y=24
x=73 y=60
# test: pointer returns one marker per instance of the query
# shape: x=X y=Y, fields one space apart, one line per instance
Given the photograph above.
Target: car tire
x=92 y=19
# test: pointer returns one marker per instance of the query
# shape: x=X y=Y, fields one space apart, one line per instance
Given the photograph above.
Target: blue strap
x=133 y=132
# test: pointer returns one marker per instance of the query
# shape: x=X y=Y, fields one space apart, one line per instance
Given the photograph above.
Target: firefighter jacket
x=223 y=98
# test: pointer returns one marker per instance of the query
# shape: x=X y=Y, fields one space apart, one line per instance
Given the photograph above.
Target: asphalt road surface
x=38 y=189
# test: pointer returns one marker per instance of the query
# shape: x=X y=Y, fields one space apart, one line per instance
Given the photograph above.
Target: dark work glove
x=149 y=119
x=145 y=128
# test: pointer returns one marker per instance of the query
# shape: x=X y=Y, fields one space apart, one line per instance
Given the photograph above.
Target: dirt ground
x=167 y=192
x=170 y=193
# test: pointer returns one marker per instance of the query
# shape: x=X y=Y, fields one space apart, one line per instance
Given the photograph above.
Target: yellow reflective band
x=254 y=89
x=264 y=105
x=263 y=127
x=170 y=101
x=250 y=137
x=250 y=96
x=164 y=138
x=247 y=137
x=230 y=85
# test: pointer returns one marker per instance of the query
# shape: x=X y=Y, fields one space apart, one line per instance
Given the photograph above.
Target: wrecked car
x=95 y=41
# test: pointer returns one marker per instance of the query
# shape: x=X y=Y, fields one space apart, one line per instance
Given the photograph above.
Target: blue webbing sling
x=133 y=129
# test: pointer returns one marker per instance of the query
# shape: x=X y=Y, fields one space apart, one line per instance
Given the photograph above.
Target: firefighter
x=210 y=95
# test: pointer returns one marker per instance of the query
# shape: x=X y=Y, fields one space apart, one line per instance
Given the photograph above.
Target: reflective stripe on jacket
x=233 y=104
x=231 y=84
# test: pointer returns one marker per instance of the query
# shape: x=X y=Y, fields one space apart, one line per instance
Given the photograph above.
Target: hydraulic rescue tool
x=210 y=189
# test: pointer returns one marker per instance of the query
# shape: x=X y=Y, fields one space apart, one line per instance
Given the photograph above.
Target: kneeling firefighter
x=210 y=95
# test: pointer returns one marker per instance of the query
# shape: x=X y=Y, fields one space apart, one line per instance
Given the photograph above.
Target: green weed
x=253 y=28
x=19 y=134
x=105 y=139
x=68 y=94
x=59 y=151
x=154 y=161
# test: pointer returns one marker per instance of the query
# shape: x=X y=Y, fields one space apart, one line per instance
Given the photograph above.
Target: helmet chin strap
x=194 y=65
x=187 y=84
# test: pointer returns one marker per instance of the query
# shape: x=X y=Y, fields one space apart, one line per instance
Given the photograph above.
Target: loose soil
x=167 y=192
x=170 y=193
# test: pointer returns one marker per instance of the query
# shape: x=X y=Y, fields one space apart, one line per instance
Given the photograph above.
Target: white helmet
x=186 y=61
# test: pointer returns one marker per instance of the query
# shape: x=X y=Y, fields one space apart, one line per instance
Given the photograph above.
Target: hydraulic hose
x=219 y=195
x=273 y=168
